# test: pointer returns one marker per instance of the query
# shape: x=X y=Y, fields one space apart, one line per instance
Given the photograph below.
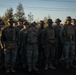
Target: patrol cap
x=2 y=22
x=10 y=20
x=73 y=20
x=42 y=22
x=32 y=25
x=24 y=23
x=49 y=21
x=57 y=20
x=68 y=17
x=20 y=20
x=0 y=19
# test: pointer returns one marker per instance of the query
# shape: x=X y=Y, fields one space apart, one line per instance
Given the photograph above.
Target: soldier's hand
x=2 y=47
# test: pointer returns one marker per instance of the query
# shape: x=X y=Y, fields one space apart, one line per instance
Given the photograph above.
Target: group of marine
x=43 y=46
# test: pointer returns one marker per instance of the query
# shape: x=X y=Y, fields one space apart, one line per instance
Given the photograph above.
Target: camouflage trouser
x=23 y=56
x=75 y=48
x=69 y=51
x=2 y=56
x=49 y=53
x=32 y=54
x=10 y=57
x=59 y=50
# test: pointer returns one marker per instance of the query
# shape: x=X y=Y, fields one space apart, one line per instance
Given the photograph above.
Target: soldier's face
x=73 y=23
x=33 y=28
x=49 y=24
x=58 y=23
x=18 y=23
x=11 y=23
x=68 y=22
x=42 y=25
x=24 y=26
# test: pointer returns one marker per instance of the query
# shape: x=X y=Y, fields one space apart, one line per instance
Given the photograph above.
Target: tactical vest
x=10 y=38
x=50 y=35
x=75 y=32
x=57 y=30
x=32 y=37
x=69 y=33
x=10 y=34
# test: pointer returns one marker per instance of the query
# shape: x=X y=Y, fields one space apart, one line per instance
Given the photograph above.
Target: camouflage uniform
x=9 y=42
x=68 y=39
x=59 y=46
x=18 y=28
x=1 y=50
x=49 y=39
x=41 y=43
x=32 y=48
x=22 y=45
x=2 y=58
x=74 y=24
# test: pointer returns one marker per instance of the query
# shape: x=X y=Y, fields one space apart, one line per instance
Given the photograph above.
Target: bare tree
x=30 y=17
x=9 y=13
x=20 y=12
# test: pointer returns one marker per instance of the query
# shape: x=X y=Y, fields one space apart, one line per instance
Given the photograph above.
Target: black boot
x=35 y=68
x=56 y=62
x=72 y=65
x=7 y=70
x=24 y=66
x=46 y=67
x=67 y=66
x=12 y=70
x=52 y=67
x=29 y=68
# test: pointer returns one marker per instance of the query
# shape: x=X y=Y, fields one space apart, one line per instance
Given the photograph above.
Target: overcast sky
x=41 y=8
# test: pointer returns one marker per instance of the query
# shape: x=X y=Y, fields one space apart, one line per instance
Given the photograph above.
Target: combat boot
x=34 y=68
x=52 y=67
x=67 y=66
x=46 y=67
x=7 y=70
x=56 y=62
x=24 y=66
x=72 y=65
x=29 y=68
x=1 y=66
x=12 y=70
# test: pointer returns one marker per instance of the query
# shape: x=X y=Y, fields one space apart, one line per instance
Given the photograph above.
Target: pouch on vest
x=10 y=45
x=70 y=32
x=51 y=35
x=32 y=37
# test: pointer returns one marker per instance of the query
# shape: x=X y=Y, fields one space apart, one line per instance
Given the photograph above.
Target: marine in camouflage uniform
x=18 y=28
x=41 y=43
x=73 y=21
x=68 y=39
x=49 y=42
x=22 y=44
x=9 y=42
x=32 y=48
x=59 y=46
x=1 y=50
